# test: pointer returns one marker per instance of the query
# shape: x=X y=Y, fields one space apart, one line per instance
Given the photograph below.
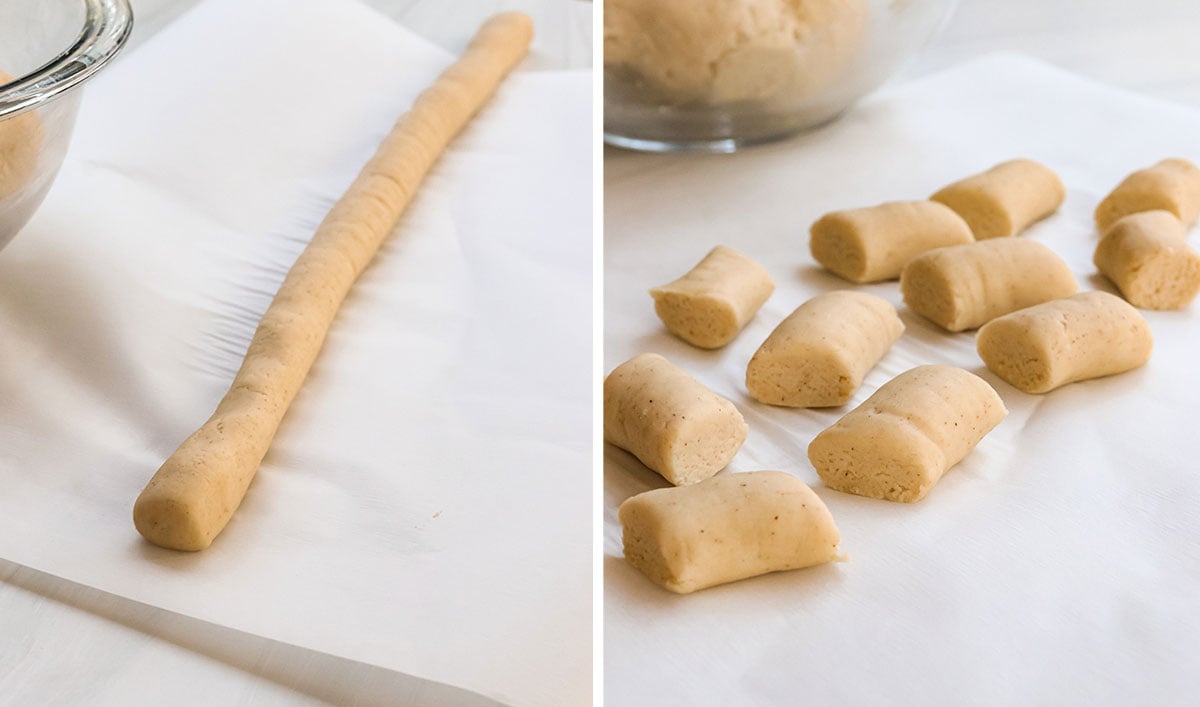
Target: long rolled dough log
x=727 y=528
x=900 y=441
x=195 y=492
x=670 y=421
x=818 y=356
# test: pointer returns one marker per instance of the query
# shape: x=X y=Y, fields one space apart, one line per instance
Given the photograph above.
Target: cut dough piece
x=709 y=305
x=818 y=356
x=669 y=420
x=875 y=243
x=1147 y=257
x=727 y=528
x=1006 y=199
x=21 y=139
x=902 y=439
x=1171 y=185
x=1090 y=335
x=965 y=286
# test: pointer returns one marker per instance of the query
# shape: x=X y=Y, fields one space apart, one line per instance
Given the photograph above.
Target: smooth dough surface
x=709 y=305
x=724 y=51
x=899 y=442
x=963 y=287
x=670 y=421
x=1147 y=257
x=819 y=354
x=875 y=243
x=727 y=528
x=21 y=138
x=1006 y=199
x=1171 y=185
x=1089 y=335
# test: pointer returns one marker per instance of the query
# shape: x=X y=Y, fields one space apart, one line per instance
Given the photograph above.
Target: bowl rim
x=105 y=30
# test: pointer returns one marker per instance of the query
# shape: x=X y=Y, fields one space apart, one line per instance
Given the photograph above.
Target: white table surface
x=66 y=644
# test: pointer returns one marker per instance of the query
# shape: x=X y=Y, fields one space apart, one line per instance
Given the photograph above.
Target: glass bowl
x=48 y=50
x=716 y=75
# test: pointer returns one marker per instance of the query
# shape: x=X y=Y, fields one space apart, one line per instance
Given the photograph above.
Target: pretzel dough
x=195 y=492
x=1171 y=185
x=1006 y=199
x=965 y=286
x=1147 y=256
x=900 y=441
x=818 y=356
x=723 y=51
x=727 y=528
x=1090 y=335
x=709 y=305
x=669 y=420
x=21 y=139
x=875 y=243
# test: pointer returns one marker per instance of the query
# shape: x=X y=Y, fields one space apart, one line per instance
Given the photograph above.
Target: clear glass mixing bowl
x=720 y=74
x=48 y=50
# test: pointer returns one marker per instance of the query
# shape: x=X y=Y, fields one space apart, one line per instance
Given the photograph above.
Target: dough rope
x=196 y=491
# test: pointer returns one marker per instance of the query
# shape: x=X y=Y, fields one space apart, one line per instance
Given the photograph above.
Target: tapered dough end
x=702 y=321
x=837 y=246
x=890 y=463
x=983 y=212
x=715 y=440
x=805 y=377
x=1147 y=257
x=928 y=291
x=1167 y=281
x=171 y=522
x=1021 y=358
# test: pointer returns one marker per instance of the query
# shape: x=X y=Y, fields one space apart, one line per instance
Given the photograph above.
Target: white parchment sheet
x=1059 y=564
x=425 y=506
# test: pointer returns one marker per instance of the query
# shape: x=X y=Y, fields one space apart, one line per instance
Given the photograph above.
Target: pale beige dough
x=1147 y=256
x=723 y=51
x=818 y=356
x=1006 y=199
x=670 y=421
x=1089 y=335
x=900 y=441
x=727 y=528
x=195 y=492
x=709 y=305
x=1171 y=185
x=963 y=287
x=21 y=138
x=875 y=243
